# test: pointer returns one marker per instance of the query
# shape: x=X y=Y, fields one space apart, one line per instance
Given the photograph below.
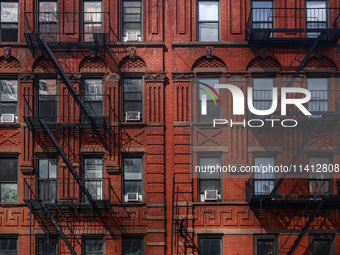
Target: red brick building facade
x=95 y=128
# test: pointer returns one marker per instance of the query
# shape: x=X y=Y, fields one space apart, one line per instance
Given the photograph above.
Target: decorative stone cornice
x=75 y=77
x=237 y=77
x=155 y=77
x=25 y=169
x=183 y=76
x=29 y=77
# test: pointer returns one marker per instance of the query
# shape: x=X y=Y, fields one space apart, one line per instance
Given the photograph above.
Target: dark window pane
x=45 y=246
x=9 y=33
x=8 y=244
x=133 y=246
x=321 y=247
x=8 y=169
x=133 y=187
x=209 y=185
x=265 y=247
x=8 y=108
x=210 y=246
x=94 y=246
x=133 y=96
x=132 y=85
x=132 y=106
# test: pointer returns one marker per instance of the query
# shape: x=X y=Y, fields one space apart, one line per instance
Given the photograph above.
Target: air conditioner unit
x=132 y=116
x=210 y=195
x=7 y=118
x=132 y=197
x=132 y=36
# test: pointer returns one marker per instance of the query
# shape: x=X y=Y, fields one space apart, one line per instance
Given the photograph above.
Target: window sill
x=204 y=44
x=139 y=44
x=218 y=203
x=10 y=125
x=10 y=204
x=128 y=204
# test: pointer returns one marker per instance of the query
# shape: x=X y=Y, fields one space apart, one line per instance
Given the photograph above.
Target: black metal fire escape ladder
x=298 y=70
x=306 y=226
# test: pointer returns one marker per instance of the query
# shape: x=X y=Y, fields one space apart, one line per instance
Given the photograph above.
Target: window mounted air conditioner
x=132 y=116
x=132 y=197
x=132 y=37
x=7 y=118
x=210 y=195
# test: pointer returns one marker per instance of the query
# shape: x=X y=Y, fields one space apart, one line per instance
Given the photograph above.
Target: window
x=47 y=246
x=316 y=17
x=263 y=93
x=262 y=15
x=132 y=20
x=9 y=21
x=94 y=96
x=93 y=20
x=48 y=20
x=321 y=245
x=265 y=244
x=47 y=179
x=133 y=246
x=93 y=174
x=208 y=21
x=48 y=103
x=94 y=246
x=133 y=180
x=318 y=88
x=213 y=110
x=210 y=245
x=209 y=182
x=8 y=246
x=264 y=182
x=319 y=183
x=132 y=99
x=8 y=179
x=9 y=97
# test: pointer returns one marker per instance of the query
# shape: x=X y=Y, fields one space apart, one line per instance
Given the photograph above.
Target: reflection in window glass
x=133 y=178
x=48 y=106
x=208 y=21
x=94 y=96
x=8 y=97
x=210 y=246
x=93 y=19
x=8 y=246
x=93 y=246
x=93 y=173
x=8 y=179
x=263 y=93
x=266 y=246
x=9 y=21
x=132 y=20
x=213 y=110
x=48 y=20
x=316 y=17
x=132 y=96
x=133 y=246
x=264 y=182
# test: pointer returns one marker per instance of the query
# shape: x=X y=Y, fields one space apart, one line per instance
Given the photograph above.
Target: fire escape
x=305 y=28
x=59 y=204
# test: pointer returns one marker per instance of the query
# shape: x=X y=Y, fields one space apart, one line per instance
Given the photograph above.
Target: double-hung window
x=210 y=245
x=208 y=110
x=8 y=179
x=92 y=20
x=262 y=14
x=8 y=246
x=48 y=20
x=319 y=182
x=133 y=246
x=93 y=177
x=48 y=99
x=316 y=16
x=132 y=20
x=9 y=21
x=47 y=179
x=263 y=93
x=94 y=96
x=265 y=244
x=132 y=99
x=208 y=21
x=318 y=88
x=47 y=246
x=264 y=182
x=209 y=181
x=93 y=246
x=321 y=245
x=133 y=178
x=9 y=97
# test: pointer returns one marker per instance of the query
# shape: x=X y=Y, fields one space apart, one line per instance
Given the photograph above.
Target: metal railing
x=67 y=190
x=63 y=108
x=291 y=189
x=68 y=26
x=292 y=22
